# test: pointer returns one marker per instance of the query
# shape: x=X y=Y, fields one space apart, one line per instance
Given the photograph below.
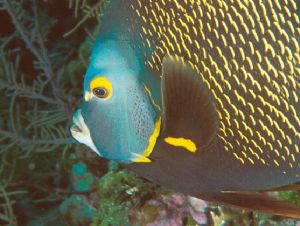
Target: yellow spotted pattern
x=248 y=54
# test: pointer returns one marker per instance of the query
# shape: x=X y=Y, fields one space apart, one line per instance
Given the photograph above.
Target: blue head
x=117 y=119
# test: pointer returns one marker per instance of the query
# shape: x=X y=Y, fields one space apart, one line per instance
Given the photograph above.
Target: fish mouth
x=75 y=129
x=77 y=125
x=81 y=132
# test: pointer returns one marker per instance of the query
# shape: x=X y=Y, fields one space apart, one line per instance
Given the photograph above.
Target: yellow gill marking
x=152 y=139
x=151 y=144
x=188 y=144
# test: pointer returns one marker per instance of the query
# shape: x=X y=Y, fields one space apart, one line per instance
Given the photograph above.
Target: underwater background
x=46 y=178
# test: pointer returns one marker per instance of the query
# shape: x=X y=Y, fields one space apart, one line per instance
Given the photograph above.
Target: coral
x=197 y=210
x=90 y=11
x=126 y=199
x=77 y=211
x=119 y=192
x=40 y=86
x=81 y=179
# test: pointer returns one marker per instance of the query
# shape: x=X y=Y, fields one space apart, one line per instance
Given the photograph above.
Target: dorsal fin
x=188 y=108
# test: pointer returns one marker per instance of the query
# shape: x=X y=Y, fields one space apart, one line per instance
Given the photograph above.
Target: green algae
x=290 y=196
x=77 y=211
x=120 y=192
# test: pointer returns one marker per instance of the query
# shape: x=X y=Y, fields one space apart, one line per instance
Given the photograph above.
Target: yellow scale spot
x=182 y=142
x=251 y=160
x=239 y=158
x=276 y=163
x=254 y=153
x=263 y=68
x=296 y=148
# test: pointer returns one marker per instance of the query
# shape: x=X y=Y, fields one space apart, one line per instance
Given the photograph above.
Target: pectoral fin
x=189 y=114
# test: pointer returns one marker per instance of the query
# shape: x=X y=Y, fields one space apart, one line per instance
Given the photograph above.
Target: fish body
x=199 y=96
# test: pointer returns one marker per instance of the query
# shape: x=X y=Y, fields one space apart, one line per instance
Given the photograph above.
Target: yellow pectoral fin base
x=151 y=144
x=182 y=142
x=140 y=158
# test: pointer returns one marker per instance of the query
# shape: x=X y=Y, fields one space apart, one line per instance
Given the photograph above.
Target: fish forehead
x=247 y=52
x=113 y=61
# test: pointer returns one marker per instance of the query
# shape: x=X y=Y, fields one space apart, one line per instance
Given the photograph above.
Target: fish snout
x=81 y=132
x=77 y=124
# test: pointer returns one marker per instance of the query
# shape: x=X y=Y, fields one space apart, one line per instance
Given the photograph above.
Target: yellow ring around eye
x=102 y=82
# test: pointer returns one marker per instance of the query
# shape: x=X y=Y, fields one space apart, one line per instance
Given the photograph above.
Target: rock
x=197 y=210
x=77 y=211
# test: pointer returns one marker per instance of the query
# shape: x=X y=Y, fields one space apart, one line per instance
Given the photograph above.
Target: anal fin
x=254 y=201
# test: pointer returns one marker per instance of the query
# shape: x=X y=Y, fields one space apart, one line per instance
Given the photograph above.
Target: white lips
x=81 y=132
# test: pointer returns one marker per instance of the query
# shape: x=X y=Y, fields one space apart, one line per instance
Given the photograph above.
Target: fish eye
x=100 y=92
x=101 y=87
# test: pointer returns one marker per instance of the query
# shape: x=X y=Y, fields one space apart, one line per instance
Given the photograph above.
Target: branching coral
x=94 y=11
x=6 y=214
x=40 y=86
x=47 y=103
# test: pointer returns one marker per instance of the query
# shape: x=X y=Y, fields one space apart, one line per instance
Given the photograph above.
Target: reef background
x=45 y=177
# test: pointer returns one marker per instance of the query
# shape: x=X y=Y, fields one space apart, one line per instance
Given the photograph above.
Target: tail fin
x=254 y=201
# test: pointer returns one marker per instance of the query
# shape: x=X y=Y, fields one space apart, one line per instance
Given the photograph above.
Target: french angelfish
x=199 y=96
